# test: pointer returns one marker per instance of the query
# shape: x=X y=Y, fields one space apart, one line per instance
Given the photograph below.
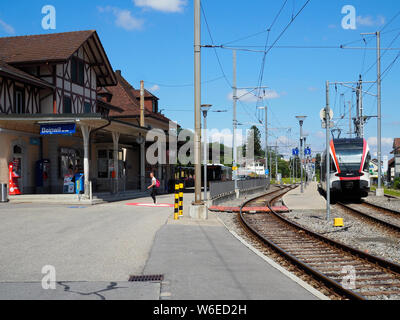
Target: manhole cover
x=147 y=278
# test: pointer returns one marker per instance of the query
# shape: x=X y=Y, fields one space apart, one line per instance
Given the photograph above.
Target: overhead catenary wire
x=215 y=51
x=261 y=75
x=182 y=85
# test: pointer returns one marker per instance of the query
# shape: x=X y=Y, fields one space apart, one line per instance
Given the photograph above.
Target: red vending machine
x=14 y=175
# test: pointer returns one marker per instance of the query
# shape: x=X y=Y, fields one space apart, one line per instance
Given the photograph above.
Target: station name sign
x=58 y=129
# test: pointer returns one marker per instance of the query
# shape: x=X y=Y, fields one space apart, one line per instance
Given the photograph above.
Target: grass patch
x=389 y=192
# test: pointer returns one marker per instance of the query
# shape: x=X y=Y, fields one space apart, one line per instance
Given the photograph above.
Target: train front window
x=349 y=159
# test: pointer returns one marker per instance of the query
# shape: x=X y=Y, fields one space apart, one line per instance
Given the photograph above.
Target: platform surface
x=203 y=260
x=311 y=199
x=95 y=249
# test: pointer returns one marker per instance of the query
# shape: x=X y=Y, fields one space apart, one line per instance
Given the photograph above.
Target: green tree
x=318 y=166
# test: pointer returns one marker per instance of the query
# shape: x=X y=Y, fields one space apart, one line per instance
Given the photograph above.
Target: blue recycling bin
x=79 y=183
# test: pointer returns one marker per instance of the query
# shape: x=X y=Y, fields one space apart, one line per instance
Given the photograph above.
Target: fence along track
x=324 y=258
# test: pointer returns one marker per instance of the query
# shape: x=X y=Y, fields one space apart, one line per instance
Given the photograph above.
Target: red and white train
x=349 y=168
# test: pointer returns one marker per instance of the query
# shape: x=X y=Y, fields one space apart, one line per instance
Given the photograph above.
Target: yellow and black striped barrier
x=176 y=209
x=181 y=199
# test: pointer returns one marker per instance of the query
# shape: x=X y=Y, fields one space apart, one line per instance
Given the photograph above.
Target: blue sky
x=152 y=40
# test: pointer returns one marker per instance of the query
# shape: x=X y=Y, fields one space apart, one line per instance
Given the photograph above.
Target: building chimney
x=142 y=119
x=118 y=72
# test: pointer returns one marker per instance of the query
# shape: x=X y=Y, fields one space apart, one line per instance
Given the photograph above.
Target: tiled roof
x=127 y=98
x=396 y=143
x=44 y=47
x=57 y=47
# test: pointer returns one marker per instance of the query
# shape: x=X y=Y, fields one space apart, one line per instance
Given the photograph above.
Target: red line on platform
x=151 y=205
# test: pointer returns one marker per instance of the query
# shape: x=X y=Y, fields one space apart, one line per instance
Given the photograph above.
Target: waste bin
x=3 y=192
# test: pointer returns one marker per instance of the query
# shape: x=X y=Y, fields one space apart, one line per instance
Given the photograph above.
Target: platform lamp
x=301 y=120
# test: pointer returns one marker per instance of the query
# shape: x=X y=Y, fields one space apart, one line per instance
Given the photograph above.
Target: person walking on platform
x=153 y=187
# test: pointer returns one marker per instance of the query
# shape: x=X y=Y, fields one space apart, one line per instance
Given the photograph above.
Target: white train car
x=349 y=168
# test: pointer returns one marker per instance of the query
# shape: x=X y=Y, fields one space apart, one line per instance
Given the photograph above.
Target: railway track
x=385 y=217
x=347 y=271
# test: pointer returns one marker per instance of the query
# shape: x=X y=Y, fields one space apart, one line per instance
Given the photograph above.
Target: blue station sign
x=58 y=129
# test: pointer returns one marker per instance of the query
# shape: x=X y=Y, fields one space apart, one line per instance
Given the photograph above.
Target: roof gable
x=10 y=71
x=126 y=97
x=58 y=47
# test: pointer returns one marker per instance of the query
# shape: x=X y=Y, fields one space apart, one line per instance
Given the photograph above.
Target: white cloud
x=386 y=142
x=225 y=136
x=162 y=5
x=369 y=21
x=250 y=96
x=123 y=18
x=285 y=141
x=320 y=134
x=6 y=27
x=271 y=94
x=154 y=88
x=313 y=89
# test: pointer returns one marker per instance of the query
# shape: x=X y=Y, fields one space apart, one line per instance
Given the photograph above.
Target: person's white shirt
x=154 y=181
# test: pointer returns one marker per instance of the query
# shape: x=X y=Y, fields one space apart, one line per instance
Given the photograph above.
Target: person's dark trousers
x=153 y=194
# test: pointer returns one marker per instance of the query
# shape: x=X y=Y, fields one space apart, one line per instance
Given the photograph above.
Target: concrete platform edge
x=272 y=263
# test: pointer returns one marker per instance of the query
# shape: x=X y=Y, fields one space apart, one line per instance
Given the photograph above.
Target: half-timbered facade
x=51 y=82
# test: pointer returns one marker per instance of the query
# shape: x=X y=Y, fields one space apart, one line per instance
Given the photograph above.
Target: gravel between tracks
x=389 y=203
x=240 y=201
x=356 y=233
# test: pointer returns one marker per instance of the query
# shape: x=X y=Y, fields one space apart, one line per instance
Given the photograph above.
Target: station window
x=87 y=108
x=77 y=71
x=155 y=106
x=19 y=101
x=67 y=105
x=105 y=163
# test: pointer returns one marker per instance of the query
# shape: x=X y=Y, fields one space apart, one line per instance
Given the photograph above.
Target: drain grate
x=147 y=278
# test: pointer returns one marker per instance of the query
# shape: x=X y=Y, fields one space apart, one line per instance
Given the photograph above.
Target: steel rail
x=373 y=205
x=367 y=216
x=387 y=266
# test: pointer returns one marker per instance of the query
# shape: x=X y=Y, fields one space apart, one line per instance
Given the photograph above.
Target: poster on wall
x=69 y=184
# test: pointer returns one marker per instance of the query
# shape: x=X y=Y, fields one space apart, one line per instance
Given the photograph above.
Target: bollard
x=176 y=209
x=181 y=199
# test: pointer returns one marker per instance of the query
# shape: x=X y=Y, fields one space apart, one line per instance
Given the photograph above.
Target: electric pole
x=380 y=191
x=350 y=132
x=328 y=155
x=266 y=139
x=276 y=160
x=197 y=209
x=235 y=99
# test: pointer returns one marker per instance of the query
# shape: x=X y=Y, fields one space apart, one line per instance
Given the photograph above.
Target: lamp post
x=266 y=139
x=301 y=122
x=205 y=108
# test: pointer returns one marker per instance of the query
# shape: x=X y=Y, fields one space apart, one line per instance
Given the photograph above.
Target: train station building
x=394 y=163
x=66 y=116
